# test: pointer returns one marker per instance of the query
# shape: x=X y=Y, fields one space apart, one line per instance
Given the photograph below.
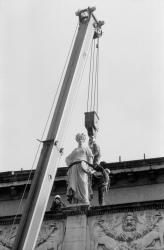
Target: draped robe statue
x=79 y=173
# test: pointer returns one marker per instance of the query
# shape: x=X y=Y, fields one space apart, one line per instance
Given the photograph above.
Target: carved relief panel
x=140 y=230
x=7 y=236
x=50 y=236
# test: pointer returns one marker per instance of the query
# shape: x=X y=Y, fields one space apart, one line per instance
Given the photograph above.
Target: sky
x=35 y=36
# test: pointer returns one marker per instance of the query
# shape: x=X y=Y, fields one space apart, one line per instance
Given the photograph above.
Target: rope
x=45 y=127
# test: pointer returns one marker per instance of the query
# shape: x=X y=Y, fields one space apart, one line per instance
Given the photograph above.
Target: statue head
x=129 y=222
x=80 y=138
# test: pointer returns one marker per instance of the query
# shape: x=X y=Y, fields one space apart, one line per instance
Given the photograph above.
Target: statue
x=79 y=173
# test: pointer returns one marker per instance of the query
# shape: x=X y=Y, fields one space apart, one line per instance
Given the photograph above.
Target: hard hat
x=107 y=170
x=57 y=197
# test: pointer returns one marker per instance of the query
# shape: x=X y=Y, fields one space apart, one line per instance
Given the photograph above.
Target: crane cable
x=97 y=75
x=20 y=206
x=93 y=85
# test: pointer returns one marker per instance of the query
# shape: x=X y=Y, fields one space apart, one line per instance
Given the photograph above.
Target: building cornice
x=17 y=177
x=91 y=211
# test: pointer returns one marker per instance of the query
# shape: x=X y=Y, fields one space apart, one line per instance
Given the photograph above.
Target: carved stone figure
x=51 y=236
x=79 y=173
x=7 y=236
x=129 y=231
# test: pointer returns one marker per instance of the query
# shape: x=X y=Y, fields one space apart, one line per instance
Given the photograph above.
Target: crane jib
x=44 y=177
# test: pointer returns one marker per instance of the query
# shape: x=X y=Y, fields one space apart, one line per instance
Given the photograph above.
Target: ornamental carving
x=128 y=231
x=7 y=236
x=50 y=236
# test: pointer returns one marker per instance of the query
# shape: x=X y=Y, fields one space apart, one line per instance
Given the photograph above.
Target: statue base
x=76 y=209
x=76 y=227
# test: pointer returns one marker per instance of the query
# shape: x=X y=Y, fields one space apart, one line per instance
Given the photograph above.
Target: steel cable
x=90 y=74
x=45 y=127
x=93 y=77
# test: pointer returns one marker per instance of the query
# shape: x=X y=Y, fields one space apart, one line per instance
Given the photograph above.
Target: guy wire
x=52 y=106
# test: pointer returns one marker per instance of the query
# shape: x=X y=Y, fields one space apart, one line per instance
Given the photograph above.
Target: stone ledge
x=91 y=211
x=128 y=207
x=23 y=175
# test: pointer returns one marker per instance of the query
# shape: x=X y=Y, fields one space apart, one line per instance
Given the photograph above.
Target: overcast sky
x=35 y=36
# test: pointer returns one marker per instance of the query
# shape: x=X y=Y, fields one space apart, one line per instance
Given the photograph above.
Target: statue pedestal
x=76 y=228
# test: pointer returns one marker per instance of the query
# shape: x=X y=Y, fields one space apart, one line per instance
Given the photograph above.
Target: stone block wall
x=137 y=226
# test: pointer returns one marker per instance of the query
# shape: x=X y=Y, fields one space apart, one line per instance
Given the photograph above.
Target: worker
x=57 y=204
x=95 y=150
x=103 y=182
x=102 y=175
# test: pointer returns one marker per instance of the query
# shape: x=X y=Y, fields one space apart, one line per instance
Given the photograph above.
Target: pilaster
x=76 y=228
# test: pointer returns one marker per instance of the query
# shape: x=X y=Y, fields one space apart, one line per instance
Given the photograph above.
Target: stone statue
x=79 y=173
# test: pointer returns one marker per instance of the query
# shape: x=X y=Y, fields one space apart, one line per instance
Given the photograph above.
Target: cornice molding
x=17 y=176
x=91 y=211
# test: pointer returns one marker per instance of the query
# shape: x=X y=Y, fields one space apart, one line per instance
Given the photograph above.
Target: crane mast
x=44 y=177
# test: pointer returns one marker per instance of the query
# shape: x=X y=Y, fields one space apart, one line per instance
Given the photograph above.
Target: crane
x=29 y=227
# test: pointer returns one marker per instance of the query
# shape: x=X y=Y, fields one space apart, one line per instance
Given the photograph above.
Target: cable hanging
x=20 y=206
x=93 y=86
x=91 y=116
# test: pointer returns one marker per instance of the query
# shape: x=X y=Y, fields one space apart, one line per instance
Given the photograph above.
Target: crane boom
x=49 y=157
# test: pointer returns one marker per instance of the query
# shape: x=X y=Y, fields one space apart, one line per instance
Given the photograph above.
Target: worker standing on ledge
x=103 y=181
x=57 y=204
x=102 y=175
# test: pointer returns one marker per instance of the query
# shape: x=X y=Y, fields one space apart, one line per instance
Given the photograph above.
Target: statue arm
x=108 y=231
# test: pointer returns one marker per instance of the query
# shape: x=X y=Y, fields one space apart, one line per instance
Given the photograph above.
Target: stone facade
x=132 y=227
x=132 y=219
x=141 y=230
x=50 y=237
